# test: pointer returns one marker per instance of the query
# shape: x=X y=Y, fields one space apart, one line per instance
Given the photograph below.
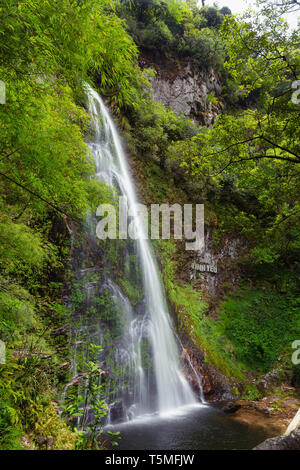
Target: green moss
x=49 y=425
x=130 y=290
x=218 y=350
x=262 y=325
x=251 y=392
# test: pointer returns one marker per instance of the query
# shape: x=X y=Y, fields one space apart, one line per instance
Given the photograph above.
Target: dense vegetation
x=168 y=29
x=245 y=168
x=250 y=159
x=46 y=49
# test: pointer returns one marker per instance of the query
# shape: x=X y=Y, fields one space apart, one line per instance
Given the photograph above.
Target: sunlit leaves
x=253 y=153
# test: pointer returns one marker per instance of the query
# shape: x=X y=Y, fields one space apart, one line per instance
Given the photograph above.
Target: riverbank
x=273 y=413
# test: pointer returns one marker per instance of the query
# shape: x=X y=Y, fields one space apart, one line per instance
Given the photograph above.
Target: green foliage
x=251 y=392
x=47 y=48
x=85 y=396
x=213 y=16
x=20 y=246
x=131 y=291
x=175 y=29
x=261 y=325
x=184 y=298
x=49 y=425
x=10 y=430
x=204 y=46
x=250 y=155
x=67 y=39
x=26 y=408
x=154 y=128
x=50 y=159
x=16 y=314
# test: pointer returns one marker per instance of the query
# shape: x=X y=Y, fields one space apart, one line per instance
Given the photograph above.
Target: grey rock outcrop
x=186 y=92
x=210 y=264
x=268 y=382
x=290 y=442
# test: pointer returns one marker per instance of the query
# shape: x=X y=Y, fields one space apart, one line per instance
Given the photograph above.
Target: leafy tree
x=88 y=397
x=175 y=29
x=254 y=153
x=47 y=48
x=213 y=17
x=225 y=11
x=288 y=5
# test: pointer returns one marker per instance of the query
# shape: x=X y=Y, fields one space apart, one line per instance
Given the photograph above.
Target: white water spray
x=172 y=388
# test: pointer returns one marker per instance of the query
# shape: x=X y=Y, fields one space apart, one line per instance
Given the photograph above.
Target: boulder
x=289 y=442
x=231 y=407
x=269 y=381
x=116 y=412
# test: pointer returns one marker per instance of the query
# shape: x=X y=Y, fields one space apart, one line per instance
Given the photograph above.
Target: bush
x=213 y=17
x=174 y=29
x=262 y=325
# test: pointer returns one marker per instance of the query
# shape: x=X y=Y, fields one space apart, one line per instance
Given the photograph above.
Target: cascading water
x=154 y=384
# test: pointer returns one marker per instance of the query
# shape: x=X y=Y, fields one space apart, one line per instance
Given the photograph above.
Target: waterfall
x=159 y=386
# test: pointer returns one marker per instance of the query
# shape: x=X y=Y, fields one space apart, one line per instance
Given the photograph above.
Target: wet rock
x=116 y=412
x=290 y=403
x=230 y=407
x=269 y=381
x=212 y=268
x=214 y=385
x=275 y=405
x=290 y=442
x=45 y=443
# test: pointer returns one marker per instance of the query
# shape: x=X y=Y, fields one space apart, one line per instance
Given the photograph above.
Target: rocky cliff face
x=214 y=266
x=186 y=90
x=215 y=386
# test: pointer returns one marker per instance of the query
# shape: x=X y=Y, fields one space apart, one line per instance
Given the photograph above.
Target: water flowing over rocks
x=140 y=350
x=214 y=385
